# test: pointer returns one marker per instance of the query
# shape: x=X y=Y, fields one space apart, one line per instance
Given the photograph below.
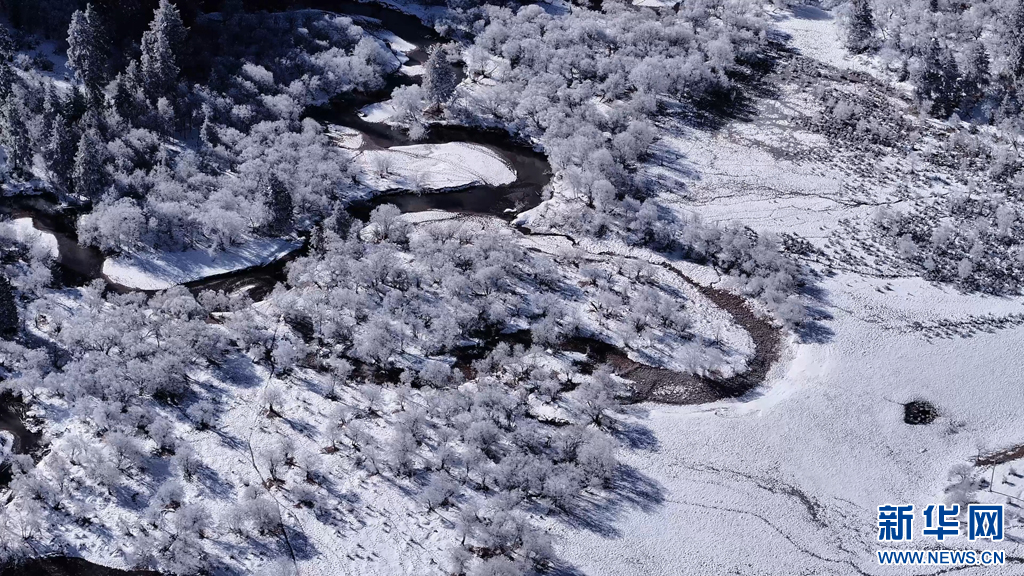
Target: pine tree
x=341 y=221
x=6 y=55
x=87 y=52
x=51 y=108
x=126 y=96
x=87 y=176
x=862 y=27
x=977 y=74
x=208 y=132
x=280 y=203
x=938 y=80
x=60 y=153
x=1015 y=49
x=6 y=45
x=15 y=137
x=8 y=309
x=6 y=81
x=161 y=45
x=439 y=77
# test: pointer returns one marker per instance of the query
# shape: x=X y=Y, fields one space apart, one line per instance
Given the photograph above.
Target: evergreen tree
x=8 y=309
x=15 y=137
x=208 y=132
x=6 y=45
x=1015 y=45
x=6 y=81
x=977 y=74
x=341 y=221
x=88 y=52
x=862 y=27
x=280 y=203
x=51 y=108
x=87 y=175
x=439 y=77
x=6 y=55
x=161 y=45
x=60 y=152
x=126 y=96
x=938 y=80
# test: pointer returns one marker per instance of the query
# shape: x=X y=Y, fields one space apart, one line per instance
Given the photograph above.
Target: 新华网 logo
x=941 y=522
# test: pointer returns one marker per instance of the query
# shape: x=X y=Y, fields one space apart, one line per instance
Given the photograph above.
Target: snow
x=414 y=70
x=22 y=231
x=162 y=270
x=814 y=32
x=377 y=112
x=345 y=137
x=434 y=167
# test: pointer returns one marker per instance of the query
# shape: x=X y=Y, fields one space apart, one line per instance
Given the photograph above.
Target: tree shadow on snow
x=636 y=437
x=813 y=330
x=627 y=489
x=239 y=371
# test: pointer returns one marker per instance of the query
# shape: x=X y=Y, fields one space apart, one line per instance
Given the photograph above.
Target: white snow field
x=162 y=270
x=433 y=167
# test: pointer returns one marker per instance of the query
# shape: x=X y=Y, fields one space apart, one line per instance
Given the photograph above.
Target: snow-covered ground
x=21 y=230
x=161 y=270
x=433 y=167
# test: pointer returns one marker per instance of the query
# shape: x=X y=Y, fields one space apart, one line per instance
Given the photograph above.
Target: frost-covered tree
x=1015 y=47
x=279 y=200
x=88 y=176
x=208 y=131
x=161 y=46
x=860 y=35
x=88 y=51
x=8 y=308
x=937 y=79
x=15 y=136
x=59 y=153
x=439 y=77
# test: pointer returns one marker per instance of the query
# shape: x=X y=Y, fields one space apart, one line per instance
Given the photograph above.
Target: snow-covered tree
x=88 y=177
x=88 y=51
x=8 y=308
x=59 y=153
x=15 y=136
x=861 y=31
x=279 y=199
x=439 y=77
x=161 y=46
x=1015 y=47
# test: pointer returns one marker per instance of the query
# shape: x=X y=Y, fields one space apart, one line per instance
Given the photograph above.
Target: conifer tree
x=938 y=80
x=161 y=45
x=862 y=27
x=87 y=175
x=439 y=77
x=6 y=54
x=88 y=52
x=1015 y=51
x=59 y=152
x=8 y=308
x=208 y=132
x=280 y=203
x=15 y=137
